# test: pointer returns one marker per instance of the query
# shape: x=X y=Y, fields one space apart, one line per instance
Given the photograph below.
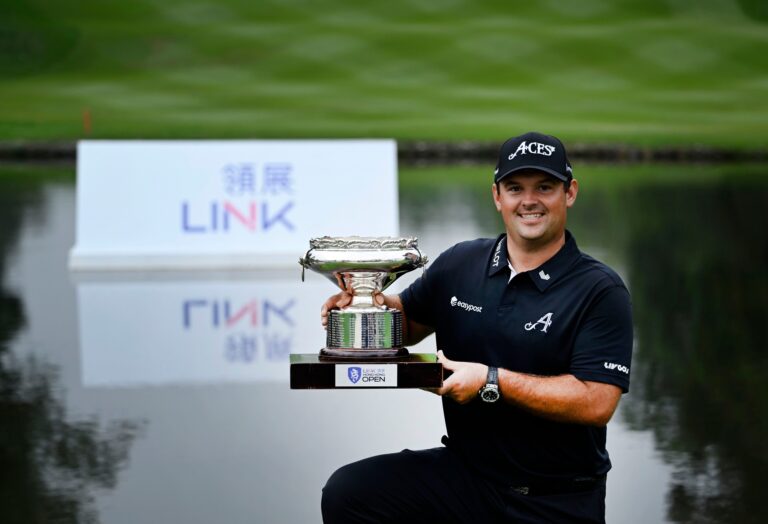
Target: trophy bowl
x=363 y=266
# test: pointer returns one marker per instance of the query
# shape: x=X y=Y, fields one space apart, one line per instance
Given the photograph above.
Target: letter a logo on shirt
x=545 y=321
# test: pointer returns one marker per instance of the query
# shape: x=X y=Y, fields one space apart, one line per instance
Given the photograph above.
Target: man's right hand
x=340 y=300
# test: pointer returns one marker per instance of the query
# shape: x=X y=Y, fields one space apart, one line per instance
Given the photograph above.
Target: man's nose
x=529 y=199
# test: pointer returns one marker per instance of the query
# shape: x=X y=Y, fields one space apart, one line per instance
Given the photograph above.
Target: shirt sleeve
x=603 y=347
x=420 y=297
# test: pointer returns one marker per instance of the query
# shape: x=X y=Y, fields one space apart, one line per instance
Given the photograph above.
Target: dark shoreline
x=412 y=152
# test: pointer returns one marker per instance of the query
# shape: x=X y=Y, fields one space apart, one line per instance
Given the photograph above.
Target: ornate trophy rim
x=392 y=256
x=359 y=243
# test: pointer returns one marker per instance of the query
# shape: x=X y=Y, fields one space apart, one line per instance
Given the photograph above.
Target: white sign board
x=240 y=203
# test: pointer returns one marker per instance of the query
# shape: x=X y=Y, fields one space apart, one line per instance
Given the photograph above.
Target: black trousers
x=435 y=485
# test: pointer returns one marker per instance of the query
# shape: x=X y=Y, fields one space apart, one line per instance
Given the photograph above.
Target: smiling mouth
x=531 y=216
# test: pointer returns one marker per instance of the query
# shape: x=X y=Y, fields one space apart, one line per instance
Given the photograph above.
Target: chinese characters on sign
x=258 y=199
x=240 y=179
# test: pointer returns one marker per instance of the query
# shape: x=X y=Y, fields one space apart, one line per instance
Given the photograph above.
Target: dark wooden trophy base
x=363 y=355
x=323 y=371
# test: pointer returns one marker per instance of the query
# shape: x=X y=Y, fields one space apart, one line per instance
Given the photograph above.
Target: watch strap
x=493 y=375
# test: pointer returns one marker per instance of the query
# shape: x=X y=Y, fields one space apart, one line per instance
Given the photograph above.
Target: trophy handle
x=304 y=262
x=423 y=260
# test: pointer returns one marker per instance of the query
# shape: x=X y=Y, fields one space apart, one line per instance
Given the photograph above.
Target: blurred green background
x=645 y=72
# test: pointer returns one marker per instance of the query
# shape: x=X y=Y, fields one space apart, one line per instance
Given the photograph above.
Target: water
x=122 y=399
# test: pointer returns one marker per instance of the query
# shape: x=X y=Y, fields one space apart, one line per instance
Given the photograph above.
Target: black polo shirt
x=571 y=315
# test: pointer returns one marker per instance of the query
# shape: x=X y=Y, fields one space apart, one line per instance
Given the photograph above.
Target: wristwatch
x=490 y=392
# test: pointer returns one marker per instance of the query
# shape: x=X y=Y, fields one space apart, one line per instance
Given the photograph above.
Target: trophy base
x=363 y=355
x=415 y=370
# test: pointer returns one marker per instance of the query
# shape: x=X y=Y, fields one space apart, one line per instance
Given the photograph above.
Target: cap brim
x=546 y=170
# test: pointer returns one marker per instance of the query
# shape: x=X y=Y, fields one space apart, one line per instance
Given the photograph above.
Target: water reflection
x=225 y=429
x=698 y=258
x=50 y=466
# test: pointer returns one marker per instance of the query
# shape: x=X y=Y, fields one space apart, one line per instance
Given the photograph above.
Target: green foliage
x=605 y=178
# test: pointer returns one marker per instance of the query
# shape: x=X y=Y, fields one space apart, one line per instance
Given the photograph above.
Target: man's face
x=533 y=206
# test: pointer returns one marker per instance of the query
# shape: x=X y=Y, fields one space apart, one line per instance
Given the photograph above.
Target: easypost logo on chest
x=256 y=198
x=533 y=148
x=455 y=302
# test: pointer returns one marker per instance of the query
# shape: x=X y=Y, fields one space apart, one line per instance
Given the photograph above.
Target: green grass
x=643 y=72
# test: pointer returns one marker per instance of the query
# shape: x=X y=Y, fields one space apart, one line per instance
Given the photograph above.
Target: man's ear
x=571 y=192
x=496 y=195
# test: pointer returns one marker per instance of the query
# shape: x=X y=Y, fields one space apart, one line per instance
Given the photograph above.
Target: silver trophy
x=363 y=266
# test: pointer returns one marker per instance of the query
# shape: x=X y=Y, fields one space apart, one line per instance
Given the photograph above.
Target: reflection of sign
x=366 y=375
x=221 y=312
x=257 y=316
x=227 y=203
x=179 y=331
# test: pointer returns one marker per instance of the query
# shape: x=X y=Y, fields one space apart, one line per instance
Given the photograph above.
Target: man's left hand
x=466 y=380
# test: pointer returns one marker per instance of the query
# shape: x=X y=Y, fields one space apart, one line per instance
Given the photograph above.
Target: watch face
x=490 y=394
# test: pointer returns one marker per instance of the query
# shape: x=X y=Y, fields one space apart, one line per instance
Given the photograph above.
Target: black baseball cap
x=534 y=151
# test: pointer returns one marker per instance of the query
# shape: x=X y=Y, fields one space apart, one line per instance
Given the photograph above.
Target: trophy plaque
x=364 y=339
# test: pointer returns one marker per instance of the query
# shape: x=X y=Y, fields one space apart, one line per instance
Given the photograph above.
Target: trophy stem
x=363 y=302
x=362 y=285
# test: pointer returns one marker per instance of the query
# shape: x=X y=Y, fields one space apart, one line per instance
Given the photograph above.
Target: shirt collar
x=548 y=272
x=499 y=259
